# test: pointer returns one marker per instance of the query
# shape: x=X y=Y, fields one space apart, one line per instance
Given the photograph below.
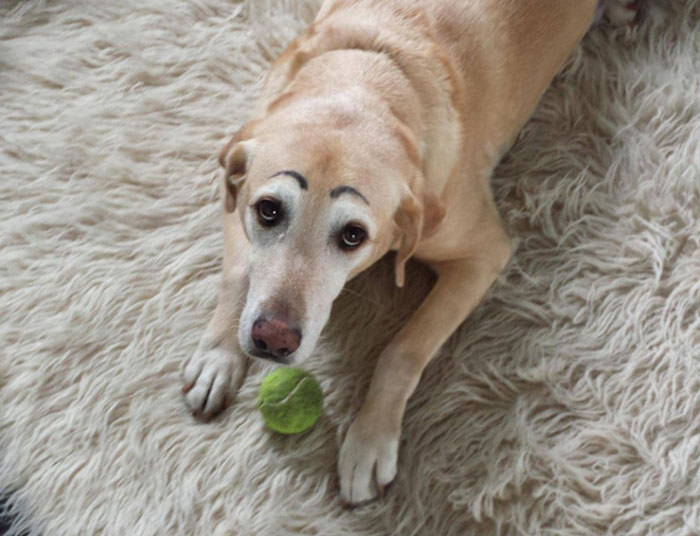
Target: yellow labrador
x=377 y=130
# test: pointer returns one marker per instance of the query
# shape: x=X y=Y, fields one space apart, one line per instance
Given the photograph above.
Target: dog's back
x=492 y=51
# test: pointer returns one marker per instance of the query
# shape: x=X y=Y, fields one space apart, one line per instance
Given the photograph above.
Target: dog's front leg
x=218 y=366
x=368 y=455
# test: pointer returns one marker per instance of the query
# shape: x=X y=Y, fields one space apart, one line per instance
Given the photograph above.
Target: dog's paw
x=367 y=464
x=209 y=377
x=622 y=12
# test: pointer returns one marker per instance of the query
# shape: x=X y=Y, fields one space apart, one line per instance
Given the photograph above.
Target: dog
x=376 y=131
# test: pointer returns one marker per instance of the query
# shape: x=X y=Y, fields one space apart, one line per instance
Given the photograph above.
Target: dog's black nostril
x=260 y=344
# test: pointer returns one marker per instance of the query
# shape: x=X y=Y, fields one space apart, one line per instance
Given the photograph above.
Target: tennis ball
x=290 y=400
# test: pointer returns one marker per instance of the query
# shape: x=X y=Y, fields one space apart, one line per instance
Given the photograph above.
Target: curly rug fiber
x=569 y=403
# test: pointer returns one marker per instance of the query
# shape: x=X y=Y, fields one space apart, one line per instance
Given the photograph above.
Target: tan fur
x=412 y=102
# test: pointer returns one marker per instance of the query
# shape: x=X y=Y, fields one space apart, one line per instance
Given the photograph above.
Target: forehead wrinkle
x=322 y=150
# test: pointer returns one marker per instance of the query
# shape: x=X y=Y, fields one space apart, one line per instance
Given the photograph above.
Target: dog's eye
x=269 y=212
x=351 y=237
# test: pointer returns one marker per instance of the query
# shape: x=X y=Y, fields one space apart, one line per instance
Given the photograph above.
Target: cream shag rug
x=569 y=403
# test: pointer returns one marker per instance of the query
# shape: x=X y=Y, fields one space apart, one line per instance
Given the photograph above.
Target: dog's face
x=318 y=205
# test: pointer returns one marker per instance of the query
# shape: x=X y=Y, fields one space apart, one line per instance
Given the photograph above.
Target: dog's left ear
x=415 y=220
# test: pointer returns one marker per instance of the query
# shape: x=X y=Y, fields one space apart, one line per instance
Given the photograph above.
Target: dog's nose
x=275 y=337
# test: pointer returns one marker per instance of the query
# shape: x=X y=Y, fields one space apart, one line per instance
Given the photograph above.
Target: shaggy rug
x=569 y=403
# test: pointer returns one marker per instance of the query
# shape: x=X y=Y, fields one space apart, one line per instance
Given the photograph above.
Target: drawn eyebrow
x=303 y=184
x=340 y=190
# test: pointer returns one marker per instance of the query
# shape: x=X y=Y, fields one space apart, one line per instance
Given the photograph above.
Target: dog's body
x=377 y=130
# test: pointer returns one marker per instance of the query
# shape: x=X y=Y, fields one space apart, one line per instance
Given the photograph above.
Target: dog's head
x=319 y=202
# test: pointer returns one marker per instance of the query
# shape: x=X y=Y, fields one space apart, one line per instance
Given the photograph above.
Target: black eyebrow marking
x=340 y=190
x=303 y=184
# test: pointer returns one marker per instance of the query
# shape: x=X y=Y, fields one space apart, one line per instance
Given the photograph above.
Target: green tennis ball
x=290 y=400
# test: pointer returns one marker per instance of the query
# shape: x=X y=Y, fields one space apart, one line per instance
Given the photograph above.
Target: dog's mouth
x=269 y=357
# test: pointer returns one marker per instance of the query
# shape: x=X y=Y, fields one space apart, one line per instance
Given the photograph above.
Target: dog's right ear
x=235 y=158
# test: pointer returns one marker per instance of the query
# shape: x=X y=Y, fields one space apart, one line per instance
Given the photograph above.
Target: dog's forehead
x=331 y=165
x=307 y=150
